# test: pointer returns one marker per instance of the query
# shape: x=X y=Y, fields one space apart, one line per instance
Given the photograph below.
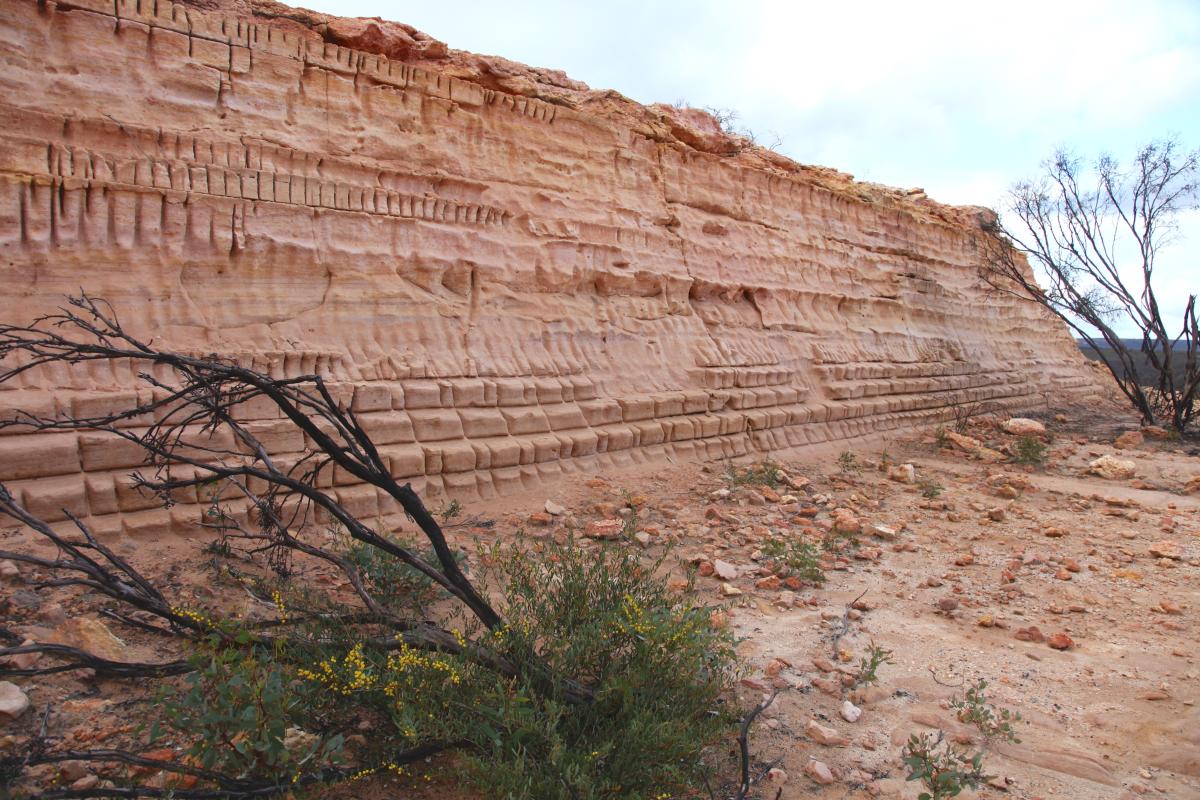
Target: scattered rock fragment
x=974 y=447
x=850 y=712
x=1113 y=468
x=725 y=571
x=1030 y=634
x=884 y=532
x=1170 y=608
x=85 y=783
x=72 y=770
x=1023 y=426
x=1129 y=440
x=554 y=509
x=604 y=528
x=1060 y=641
x=1166 y=549
x=819 y=771
x=91 y=635
x=13 y=702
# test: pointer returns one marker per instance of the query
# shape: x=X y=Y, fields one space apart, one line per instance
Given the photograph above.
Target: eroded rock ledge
x=507 y=274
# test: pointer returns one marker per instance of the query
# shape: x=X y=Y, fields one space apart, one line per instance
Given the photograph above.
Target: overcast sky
x=961 y=98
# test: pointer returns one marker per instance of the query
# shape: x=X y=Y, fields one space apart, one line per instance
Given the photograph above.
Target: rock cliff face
x=508 y=275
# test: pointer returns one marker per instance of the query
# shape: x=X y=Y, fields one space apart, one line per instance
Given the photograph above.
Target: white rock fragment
x=725 y=571
x=13 y=701
x=1022 y=426
x=1113 y=468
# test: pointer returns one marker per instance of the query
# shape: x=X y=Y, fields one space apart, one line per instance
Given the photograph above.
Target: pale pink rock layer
x=508 y=275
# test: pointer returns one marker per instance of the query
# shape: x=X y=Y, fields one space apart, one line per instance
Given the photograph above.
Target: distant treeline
x=1146 y=373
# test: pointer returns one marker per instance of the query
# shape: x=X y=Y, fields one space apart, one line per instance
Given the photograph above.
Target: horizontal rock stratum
x=507 y=274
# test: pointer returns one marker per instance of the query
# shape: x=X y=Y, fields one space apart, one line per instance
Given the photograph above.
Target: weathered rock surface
x=13 y=701
x=1113 y=468
x=506 y=274
x=1023 y=426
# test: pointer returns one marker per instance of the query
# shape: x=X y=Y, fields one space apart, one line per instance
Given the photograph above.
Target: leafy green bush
x=848 y=463
x=656 y=669
x=793 y=555
x=940 y=437
x=992 y=722
x=762 y=473
x=1031 y=450
x=944 y=769
x=870 y=663
x=399 y=586
x=240 y=714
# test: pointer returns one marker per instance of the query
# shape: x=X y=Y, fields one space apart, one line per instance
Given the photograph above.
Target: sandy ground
x=951 y=584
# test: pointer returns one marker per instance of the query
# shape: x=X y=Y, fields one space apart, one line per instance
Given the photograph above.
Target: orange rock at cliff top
x=507 y=274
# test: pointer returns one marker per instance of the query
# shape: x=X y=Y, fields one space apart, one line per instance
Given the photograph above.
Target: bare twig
x=743 y=741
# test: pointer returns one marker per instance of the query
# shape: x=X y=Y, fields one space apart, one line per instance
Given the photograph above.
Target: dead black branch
x=1094 y=241
x=192 y=424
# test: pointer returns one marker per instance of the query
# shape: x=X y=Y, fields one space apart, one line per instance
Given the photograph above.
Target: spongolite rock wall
x=506 y=274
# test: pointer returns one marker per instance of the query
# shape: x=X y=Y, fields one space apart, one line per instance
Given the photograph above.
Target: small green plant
x=944 y=769
x=793 y=556
x=848 y=463
x=839 y=540
x=763 y=473
x=1031 y=450
x=631 y=515
x=868 y=666
x=450 y=510
x=992 y=722
x=219 y=547
x=397 y=584
x=930 y=488
x=885 y=459
x=940 y=437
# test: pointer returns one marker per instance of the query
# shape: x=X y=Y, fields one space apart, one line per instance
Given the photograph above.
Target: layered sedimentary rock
x=506 y=274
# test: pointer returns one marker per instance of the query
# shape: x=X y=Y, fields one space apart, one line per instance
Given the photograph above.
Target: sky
x=960 y=98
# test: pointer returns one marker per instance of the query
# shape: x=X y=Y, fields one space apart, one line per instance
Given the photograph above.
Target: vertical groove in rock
x=508 y=274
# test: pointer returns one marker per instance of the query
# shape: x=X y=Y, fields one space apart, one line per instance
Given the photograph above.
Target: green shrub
x=795 y=556
x=940 y=437
x=992 y=722
x=1031 y=450
x=657 y=670
x=848 y=463
x=870 y=663
x=658 y=667
x=762 y=473
x=399 y=586
x=944 y=769
x=930 y=488
x=241 y=714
